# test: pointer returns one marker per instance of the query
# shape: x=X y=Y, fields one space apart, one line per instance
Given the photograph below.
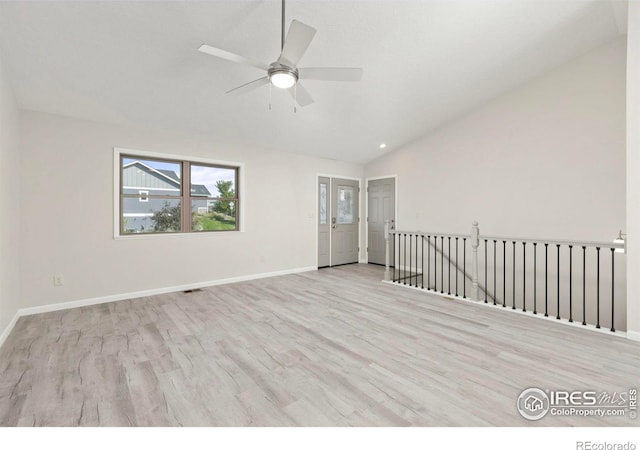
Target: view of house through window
x=153 y=195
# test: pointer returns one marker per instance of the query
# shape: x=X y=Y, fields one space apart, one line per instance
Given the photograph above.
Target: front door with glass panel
x=338 y=221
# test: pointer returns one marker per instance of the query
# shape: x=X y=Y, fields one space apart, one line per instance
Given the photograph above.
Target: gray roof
x=169 y=173
x=199 y=190
x=196 y=189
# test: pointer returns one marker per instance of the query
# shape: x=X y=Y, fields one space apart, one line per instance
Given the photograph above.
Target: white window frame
x=119 y=151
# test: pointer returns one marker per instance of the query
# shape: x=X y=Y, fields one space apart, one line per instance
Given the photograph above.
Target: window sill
x=198 y=235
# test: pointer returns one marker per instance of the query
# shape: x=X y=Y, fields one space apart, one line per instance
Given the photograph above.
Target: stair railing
x=558 y=278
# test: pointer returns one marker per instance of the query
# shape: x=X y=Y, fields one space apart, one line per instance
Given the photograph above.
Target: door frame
x=316 y=218
x=366 y=200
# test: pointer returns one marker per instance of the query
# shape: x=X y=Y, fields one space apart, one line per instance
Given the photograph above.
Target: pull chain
x=269 y=96
x=295 y=98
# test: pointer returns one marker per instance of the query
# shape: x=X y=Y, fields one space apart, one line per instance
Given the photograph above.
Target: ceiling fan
x=284 y=73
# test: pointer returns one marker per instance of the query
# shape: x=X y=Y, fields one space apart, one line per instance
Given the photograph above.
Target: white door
x=381 y=206
x=338 y=221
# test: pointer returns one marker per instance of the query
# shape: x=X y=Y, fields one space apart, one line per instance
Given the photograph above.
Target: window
x=213 y=198
x=323 y=203
x=159 y=195
x=345 y=204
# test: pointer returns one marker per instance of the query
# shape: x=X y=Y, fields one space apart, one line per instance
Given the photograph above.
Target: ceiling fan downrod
x=282 y=32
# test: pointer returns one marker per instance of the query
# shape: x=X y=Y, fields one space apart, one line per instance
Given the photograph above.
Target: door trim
x=366 y=200
x=315 y=215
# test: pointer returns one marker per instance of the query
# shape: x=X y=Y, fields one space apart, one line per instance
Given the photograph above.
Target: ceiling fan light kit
x=282 y=77
x=284 y=72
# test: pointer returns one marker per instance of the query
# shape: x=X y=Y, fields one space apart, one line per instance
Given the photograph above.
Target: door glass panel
x=345 y=204
x=323 y=203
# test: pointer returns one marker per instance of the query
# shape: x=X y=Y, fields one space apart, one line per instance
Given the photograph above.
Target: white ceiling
x=424 y=63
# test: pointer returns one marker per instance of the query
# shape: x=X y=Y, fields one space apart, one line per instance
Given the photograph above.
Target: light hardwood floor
x=333 y=347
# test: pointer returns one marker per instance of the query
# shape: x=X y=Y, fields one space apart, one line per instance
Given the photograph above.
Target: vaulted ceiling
x=424 y=63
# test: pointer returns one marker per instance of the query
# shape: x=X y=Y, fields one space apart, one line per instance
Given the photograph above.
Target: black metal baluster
x=558 y=296
x=504 y=274
x=613 y=285
x=404 y=272
x=417 y=267
x=513 y=306
x=410 y=262
x=416 y=285
x=584 y=285
x=449 y=258
x=535 y=276
x=464 y=267
x=546 y=280
x=457 y=267
x=485 y=271
x=396 y=267
x=598 y=288
x=428 y=262
x=571 y=283
x=399 y=247
x=422 y=255
x=524 y=277
x=495 y=267
x=442 y=264
x=435 y=263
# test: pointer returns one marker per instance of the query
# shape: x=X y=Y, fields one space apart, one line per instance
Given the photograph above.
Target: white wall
x=67 y=213
x=633 y=169
x=545 y=160
x=9 y=205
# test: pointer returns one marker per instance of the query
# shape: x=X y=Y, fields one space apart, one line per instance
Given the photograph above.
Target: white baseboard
x=619 y=334
x=633 y=335
x=131 y=295
x=9 y=328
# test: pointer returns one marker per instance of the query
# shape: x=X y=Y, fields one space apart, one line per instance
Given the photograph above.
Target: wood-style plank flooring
x=334 y=347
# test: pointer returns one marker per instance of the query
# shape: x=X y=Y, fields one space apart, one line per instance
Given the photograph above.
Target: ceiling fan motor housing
x=282 y=76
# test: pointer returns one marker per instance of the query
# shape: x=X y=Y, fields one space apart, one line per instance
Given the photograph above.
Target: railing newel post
x=387 y=273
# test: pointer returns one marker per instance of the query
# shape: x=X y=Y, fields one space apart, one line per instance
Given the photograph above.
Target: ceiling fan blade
x=250 y=86
x=295 y=45
x=223 y=54
x=302 y=96
x=330 y=73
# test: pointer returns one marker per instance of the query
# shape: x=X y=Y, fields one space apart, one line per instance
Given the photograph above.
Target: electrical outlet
x=58 y=280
